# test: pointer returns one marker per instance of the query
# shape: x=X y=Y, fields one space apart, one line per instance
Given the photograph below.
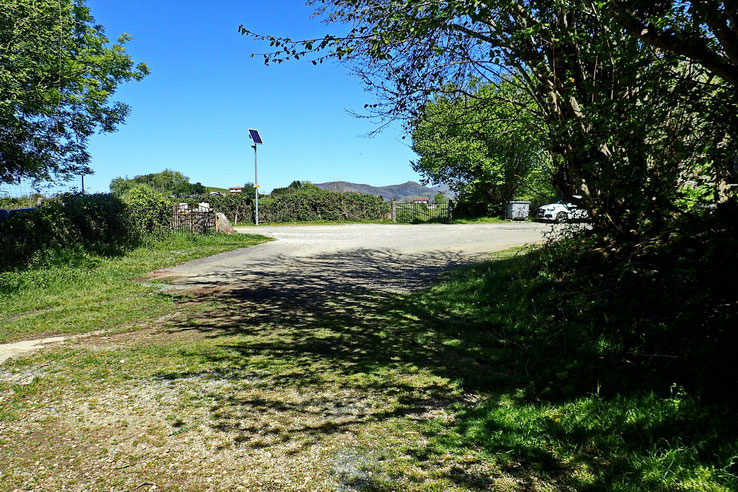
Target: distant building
x=422 y=200
x=235 y=189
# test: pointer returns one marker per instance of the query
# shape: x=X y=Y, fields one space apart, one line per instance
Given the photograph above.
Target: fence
x=186 y=220
x=413 y=213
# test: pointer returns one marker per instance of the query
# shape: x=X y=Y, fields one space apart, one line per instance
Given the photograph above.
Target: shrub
x=151 y=211
x=317 y=204
x=97 y=223
x=25 y=201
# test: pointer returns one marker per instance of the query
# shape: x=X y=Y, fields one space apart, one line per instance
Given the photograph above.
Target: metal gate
x=193 y=221
x=418 y=212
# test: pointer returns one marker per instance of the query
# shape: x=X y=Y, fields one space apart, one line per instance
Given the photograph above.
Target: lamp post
x=256 y=138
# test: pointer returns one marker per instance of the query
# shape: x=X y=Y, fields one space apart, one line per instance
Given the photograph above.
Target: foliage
x=248 y=188
x=441 y=198
x=167 y=182
x=627 y=125
x=488 y=146
x=316 y=204
x=150 y=210
x=58 y=72
x=96 y=223
x=703 y=32
x=27 y=201
x=294 y=187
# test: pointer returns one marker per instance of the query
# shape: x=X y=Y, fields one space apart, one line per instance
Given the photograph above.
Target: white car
x=562 y=212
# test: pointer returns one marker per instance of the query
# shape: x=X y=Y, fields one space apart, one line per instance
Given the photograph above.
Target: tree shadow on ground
x=334 y=342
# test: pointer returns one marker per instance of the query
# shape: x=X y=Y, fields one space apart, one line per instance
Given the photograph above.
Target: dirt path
x=8 y=350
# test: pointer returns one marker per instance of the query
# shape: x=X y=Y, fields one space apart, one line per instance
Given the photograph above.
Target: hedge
x=310 y=205
x=302 y=205
x=99 y=223
x=106 y=224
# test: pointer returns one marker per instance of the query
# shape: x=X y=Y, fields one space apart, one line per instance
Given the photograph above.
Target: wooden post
x=394 y=211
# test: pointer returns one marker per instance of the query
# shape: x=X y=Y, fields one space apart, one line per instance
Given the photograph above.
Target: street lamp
x=256 y=138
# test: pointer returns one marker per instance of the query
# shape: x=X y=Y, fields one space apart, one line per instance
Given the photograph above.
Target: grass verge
x=75 y=292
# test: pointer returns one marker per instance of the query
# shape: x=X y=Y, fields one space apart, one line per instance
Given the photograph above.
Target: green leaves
x=483 y=140
x=58 y=72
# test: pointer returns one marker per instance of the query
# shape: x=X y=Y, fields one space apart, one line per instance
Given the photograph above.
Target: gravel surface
x=387 y=257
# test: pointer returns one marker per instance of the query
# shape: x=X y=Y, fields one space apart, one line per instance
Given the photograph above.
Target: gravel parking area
x=386 y=257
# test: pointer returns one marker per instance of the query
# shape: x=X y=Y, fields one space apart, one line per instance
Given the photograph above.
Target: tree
x=294 y=187
x=167 y=182
x=58 y=72
x=248 y=188
x=625 y=121
x=487 y=146
x=705 y=31
x=440 y=198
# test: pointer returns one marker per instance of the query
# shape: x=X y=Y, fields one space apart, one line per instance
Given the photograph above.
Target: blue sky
x=192 y=113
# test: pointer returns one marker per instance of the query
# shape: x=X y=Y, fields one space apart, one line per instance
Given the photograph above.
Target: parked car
x=562 y=211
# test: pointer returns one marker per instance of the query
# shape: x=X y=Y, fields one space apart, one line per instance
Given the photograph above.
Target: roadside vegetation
x=75 y=291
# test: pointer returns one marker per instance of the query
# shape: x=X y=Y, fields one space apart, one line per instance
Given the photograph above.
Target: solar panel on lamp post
x=256 y=138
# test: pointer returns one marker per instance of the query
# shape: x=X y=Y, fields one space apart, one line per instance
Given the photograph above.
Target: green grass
x=225 y=191
x=76 y=292
x=480 y=220
x=513 y=374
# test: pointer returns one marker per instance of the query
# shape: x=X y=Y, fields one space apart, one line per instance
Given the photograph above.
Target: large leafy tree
x=624 y=119
x=167 y=182
x=58 y=72
x=488 y=144
x=703 y=31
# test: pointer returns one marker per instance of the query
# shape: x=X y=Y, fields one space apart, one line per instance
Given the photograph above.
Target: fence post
x=394 y=211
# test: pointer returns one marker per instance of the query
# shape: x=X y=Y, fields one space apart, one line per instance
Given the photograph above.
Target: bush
x=97 y=223
x=151 y=211
x=317 y=204
x=26 y=201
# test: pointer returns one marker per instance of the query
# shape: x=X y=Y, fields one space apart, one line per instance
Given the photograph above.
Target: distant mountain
x=404 y=191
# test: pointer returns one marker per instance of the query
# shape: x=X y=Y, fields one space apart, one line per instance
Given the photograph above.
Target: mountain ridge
x=402 y=191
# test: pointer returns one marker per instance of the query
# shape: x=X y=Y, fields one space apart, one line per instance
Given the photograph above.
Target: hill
x=404 y=191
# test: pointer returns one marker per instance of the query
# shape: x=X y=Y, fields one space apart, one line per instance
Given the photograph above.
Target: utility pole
x=256 y=138
x=256 y=186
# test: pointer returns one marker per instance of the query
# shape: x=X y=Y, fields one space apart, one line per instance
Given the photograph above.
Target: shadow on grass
x=338 y=341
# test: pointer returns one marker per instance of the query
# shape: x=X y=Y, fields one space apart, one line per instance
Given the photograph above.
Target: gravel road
x=339 y=257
